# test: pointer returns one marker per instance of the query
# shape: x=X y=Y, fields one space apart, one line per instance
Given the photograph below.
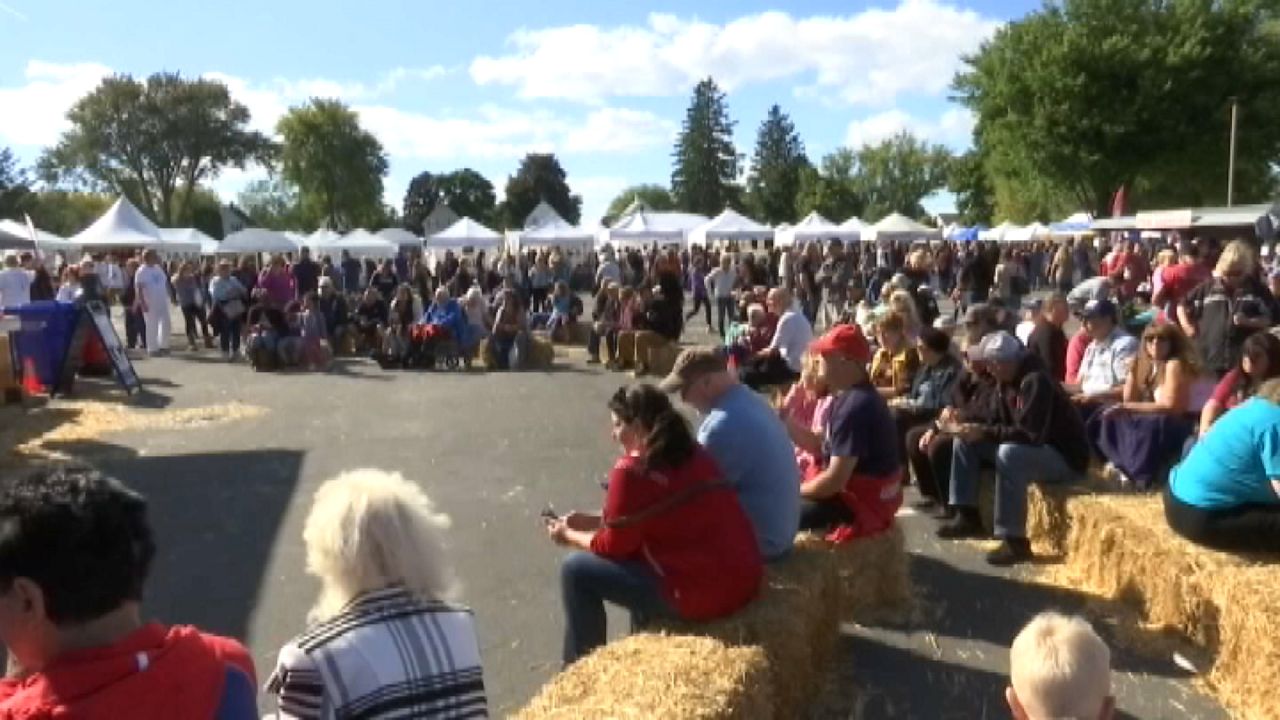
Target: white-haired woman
x=382 y=641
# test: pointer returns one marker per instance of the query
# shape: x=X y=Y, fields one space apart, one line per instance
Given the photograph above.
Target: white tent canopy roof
x=898 y=227
x=122 y=225
x=854 y=223
x=359 y=243
x=545 y=227
x=257 y=240
x=466 y=233
x=729 y=225
x=647 y=228
x=998 y=232
x=542 y=215
x=48 y=241
x=185 y=240
x=10 y=240
x=816 y=227
x=320 y=238
x=1034 y=231
x=400 y=237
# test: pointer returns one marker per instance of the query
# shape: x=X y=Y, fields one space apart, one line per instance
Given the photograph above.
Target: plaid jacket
x=387 y=655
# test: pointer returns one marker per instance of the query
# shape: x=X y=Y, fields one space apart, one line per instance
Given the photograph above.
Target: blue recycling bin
x=44 y=337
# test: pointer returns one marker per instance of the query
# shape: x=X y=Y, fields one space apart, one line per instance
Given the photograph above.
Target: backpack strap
x=667 y=504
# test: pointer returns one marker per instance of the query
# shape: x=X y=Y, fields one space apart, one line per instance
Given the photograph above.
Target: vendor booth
x=464 y=236
x=731 y=226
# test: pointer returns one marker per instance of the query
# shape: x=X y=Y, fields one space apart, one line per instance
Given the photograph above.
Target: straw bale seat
x=1120 y=547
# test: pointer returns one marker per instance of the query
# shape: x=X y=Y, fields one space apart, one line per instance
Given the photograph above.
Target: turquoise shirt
x=1234 y=463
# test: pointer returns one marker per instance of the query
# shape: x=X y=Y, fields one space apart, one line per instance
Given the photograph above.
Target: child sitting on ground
x=805 y=411
x=561 y=312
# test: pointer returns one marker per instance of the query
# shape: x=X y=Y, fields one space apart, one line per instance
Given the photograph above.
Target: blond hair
x=1270 y=391
x=1237 y=254
x=371 y=529
x=903 y=303
x=1059 y=668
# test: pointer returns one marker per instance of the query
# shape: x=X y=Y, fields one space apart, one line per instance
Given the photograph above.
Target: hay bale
x=659 y=676
x=577 y=334
x=662 y=358
x=541 y=354
x=1120 y=547
x=873 y=572
x=1048 y=523
x=795 y=621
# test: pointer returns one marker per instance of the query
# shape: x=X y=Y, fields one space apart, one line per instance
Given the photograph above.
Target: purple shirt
x=279 y=287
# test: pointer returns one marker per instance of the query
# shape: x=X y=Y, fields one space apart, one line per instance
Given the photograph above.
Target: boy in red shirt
x=75 y=548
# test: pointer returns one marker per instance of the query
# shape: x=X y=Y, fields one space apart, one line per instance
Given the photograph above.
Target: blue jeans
x=229 y=338
x=1017 y=466
x=587 y=581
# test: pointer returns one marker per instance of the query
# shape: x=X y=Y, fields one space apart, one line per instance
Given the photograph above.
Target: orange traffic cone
x=30 y=379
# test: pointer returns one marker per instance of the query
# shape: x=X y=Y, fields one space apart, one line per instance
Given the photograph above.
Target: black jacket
x=1034 y=410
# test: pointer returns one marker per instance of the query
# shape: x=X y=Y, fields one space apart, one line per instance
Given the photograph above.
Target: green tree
x=896 y=174
x=465 y=191
x=273 y=203
x=66 y=213
x=154 y=142
x=1090 y=95
x=656 y=197
x=538 y=178
x=776 y=166
x=203 y=213
x=705 y=172
x=833 y=189
x=16 y=197
x=969 y=180
x=336 y=165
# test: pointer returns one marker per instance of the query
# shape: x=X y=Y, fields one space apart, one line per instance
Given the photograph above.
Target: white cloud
x=35 y=113
x=954 y=128
x=619 y=130
x=868 y=58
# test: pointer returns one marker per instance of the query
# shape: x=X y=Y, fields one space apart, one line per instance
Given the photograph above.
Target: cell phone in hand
x=549 y=513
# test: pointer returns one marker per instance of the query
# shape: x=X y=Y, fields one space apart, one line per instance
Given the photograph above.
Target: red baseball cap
x=844 y=340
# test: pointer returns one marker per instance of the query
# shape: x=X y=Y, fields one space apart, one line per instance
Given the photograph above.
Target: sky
x=602 y=83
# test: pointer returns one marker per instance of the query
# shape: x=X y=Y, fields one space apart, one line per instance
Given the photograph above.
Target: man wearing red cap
x=859 y=491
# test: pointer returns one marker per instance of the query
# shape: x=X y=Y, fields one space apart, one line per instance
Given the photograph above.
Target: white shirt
x=67 y=292
x=1024 y=330
x=792 y=338
x=1106 y=362
x=112 y=276
x=152 y=284
x=15 y=287
x=720 y=282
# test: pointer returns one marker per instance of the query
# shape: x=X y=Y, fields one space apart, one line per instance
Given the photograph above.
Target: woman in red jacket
x=672 y=539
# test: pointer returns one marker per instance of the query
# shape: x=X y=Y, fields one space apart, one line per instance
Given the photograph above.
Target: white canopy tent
x=121 y=226
x=256 y=240
x=14 y=241
x=1032 y=232
x=358 y=243
x=898 y=228
x=856 y=224
x=997 y=233
x=47 y=240
x=643 y=228
x=729 y=225
x=546 y=228
x=186 y=240
x=815 y=227
x=465 y=234
x=401 y=238
x=318 y=239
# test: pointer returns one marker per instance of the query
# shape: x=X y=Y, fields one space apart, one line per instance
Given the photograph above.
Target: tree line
x=1072 y=102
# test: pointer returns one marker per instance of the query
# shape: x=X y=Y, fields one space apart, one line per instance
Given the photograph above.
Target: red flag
x=1119 y=202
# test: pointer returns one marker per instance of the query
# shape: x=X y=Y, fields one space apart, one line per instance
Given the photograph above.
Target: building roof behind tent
x=122 y=225
x=1126 y=222
x=1235 y=216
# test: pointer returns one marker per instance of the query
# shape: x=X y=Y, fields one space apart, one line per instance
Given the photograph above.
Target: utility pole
x=1231 y=158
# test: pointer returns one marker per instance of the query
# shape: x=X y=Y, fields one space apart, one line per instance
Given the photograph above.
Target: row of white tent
x=124 y=226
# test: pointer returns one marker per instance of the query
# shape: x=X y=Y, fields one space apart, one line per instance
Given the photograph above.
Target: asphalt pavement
x=492 y=450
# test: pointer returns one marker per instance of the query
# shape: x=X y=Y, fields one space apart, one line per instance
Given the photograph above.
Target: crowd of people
x=1169 y=384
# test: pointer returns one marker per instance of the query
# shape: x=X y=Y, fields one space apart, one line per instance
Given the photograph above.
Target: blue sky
x=604 y=84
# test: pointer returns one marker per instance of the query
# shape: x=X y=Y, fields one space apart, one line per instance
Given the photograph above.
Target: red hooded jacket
x=155 y=673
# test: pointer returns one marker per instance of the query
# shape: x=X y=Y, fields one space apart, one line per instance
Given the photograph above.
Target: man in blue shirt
x=749 y=443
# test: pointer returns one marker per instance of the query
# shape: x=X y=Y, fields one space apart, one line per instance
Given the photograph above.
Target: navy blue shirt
x=860 y=426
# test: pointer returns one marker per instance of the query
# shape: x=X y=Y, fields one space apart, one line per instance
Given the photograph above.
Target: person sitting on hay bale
x=508 y=344
x=896 y=361
x=1226 y=493
x=672 y=539
x=780 y=363
x=1037 y=435
x=804 y=411
x=749 y=444
x=1259 y=362
x=1059 y=668
x=605 y=321
x=663 y=324
x=1107 y=359
x=859 y=489
x=930 y=390
x=316 y=352
x=370 y=321
x=375 y=543
x=337 y=317
x=1145 y=431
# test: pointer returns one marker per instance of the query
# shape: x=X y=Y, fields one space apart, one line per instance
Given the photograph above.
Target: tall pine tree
x=706 y=161
x=775 y=169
